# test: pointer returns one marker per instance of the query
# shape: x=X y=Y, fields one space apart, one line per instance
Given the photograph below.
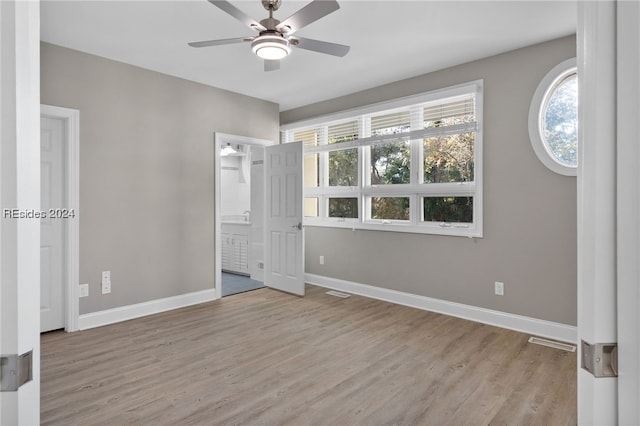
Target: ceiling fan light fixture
x=271 y=47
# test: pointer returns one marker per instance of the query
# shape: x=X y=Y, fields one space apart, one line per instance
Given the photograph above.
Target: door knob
x=298 y=226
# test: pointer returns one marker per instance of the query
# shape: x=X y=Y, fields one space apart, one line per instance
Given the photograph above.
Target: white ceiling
x=390 y=40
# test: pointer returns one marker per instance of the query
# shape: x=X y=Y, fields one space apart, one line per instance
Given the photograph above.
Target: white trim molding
x=597 y=38
x=138 y=310
x=534 y=326
x=628 y=210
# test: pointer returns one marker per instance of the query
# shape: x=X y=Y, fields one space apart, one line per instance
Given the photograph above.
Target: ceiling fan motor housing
x=270 y=24
x=271 y=4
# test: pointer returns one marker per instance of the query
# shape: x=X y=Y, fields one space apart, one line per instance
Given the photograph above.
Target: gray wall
x=529 y=212
x=146 y=172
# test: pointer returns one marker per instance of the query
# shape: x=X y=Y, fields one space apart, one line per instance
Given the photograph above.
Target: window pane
x=391 y=163
x=311 y=207
x=388 y=124
x=311 y=170
x=343 y=132
x=343 y=167
x=390 y=208
x=343 y=207
x=449 y=158
x=309 y=138
x=448 y=209
x=560 y=122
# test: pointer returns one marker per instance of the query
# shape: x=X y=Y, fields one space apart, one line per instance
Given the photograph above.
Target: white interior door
x=52 y=253
x=284 y=235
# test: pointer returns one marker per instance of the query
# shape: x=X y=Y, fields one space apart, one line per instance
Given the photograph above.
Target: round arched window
x=553 y=119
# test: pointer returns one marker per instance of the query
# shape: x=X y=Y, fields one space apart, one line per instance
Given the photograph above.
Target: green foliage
x=390 y=208
x=448 y=209
x=343 y=207
x=560 y=125
x=449 y=158
x=343 y=167
x=391 y=163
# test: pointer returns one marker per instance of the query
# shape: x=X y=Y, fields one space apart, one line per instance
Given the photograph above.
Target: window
x=409 y=165
x=553 y=119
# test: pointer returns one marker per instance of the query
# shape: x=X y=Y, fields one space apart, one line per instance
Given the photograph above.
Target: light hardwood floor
x=268 y=358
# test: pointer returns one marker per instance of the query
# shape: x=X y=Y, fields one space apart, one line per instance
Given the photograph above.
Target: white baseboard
x=537 y=327
x=124 y=313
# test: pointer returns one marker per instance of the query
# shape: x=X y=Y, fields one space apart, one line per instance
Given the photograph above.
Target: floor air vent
x=338 y=294
x=552 y=344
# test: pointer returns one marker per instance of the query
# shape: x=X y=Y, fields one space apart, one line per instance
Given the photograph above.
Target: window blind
x=343 y=132
x=395 y=122
x=310 y=138
x=462 y=109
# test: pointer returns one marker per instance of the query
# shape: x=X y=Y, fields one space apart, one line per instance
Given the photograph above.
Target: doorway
x=59 y=246
x=240 y=260
x=239 y=213
x=53 y=197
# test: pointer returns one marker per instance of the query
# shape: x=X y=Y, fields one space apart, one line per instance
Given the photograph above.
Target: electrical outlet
x=84 y=290
x=106 y=282
x=322 y=260
x=499 y=288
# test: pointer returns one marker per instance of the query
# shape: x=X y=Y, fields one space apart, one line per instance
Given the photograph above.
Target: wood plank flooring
x=269 y=358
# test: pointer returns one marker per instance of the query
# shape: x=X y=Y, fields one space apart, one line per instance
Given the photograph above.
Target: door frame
x=20 y=188
x=608 y=205
x=221 y=139
x=628 y=237
x=71 y=118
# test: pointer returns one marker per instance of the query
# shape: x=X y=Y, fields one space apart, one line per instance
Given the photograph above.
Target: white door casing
x=52 y=229
x=628 y=187
x=596 y=185
x=284 y=234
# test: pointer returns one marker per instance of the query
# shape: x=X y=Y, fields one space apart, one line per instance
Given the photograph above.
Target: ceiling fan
x=274 y=39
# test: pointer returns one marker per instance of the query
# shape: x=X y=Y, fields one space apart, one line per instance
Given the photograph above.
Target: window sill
x=453 y=230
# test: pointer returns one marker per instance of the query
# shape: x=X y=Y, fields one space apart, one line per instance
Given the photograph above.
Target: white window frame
x=543 y=92
x=415 y=190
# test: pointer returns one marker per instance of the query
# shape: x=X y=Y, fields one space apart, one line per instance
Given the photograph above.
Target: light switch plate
x=106 y=282
x=84 y=290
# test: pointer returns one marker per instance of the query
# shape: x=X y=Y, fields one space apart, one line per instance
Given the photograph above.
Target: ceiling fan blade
x=238 y=14
x=321 y=46
x=217 y=42
x=271 y=65
x=308 y=14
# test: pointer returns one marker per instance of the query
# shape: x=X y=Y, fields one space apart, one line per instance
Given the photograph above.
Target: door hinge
x=600 y=359
x=15 y=371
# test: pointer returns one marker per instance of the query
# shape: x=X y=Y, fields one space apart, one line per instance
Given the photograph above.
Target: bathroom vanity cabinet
x=235 y=247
